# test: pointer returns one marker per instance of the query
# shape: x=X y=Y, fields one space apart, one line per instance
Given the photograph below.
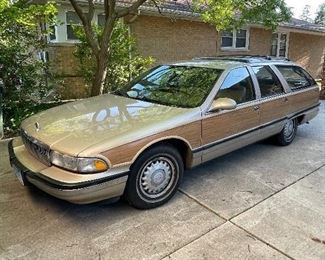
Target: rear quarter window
x=296 y=77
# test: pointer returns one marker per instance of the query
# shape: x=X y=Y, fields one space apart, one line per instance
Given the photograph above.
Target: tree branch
x=86 y=22
x=91 y=8
x=131 y=9
x=111 y=7
x=79 y=11
x=157 y=6
x=106 y=5
x=109 y=26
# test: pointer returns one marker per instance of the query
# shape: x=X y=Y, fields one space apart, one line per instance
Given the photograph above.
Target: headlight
x=78 y=164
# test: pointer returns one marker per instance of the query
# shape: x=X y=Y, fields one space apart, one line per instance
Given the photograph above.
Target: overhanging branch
x=131 y=9
x=86 y=22
x=91 y=9
x=157 y=6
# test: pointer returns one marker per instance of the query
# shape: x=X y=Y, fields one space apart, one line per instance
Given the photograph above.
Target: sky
x=298 y=6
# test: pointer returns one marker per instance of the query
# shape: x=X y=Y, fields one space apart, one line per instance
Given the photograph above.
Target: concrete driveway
x=260 y=202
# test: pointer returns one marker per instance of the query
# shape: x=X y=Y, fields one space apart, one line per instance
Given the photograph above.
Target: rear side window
x=237 y=86
x=268 y=81
x=296 y=77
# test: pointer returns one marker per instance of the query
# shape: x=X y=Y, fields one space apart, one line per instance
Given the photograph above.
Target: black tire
x=139 y=193
x=288 y=133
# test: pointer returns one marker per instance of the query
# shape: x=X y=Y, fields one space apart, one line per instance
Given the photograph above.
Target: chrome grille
x=39 y=150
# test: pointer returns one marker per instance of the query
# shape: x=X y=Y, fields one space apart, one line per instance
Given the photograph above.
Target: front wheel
x=154 y=177
x=288 y=133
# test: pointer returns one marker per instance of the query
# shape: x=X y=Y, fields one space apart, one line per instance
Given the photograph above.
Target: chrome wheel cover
x=289 y=130
x=156 y=177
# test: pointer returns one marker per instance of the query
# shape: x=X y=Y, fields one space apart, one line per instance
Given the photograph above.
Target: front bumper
x=75 y=188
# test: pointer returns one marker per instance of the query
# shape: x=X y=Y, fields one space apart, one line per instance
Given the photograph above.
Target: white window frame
x=55 y=34
x=278 y=43
x=66 y=27
x=234 y=40
x=65 y=24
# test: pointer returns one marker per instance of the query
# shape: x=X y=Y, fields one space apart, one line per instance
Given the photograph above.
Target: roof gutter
x=184 y=15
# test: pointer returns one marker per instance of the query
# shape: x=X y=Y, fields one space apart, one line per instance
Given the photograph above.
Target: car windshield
x=179 y=86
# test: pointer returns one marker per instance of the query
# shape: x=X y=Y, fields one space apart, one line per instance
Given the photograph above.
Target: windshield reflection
x=178 y=86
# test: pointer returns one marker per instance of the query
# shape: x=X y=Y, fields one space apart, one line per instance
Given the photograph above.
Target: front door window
x=237 y=86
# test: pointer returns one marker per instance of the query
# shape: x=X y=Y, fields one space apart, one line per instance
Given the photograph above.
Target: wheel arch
x=300 y=118
x=179 y=143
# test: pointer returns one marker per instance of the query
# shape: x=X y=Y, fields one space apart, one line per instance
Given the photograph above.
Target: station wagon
x=136 y=142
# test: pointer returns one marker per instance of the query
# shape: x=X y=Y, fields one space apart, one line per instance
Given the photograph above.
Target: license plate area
x=19 y=174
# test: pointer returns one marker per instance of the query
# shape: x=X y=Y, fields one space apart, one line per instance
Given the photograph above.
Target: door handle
x=285 y=99
x=256 y=108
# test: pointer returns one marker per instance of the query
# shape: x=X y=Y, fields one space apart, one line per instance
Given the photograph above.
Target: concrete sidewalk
x=260 y=202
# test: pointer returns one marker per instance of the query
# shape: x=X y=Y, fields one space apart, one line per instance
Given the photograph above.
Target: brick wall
x=65 y=67
x=307 y=50
x=168 y=40
x=259 y=43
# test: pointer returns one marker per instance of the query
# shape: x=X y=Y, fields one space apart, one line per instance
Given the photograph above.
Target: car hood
x=108 y=119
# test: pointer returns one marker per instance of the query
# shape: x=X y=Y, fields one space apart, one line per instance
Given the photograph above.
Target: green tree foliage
x=124 y=61
x=320 y=15
x=223 y=14
x=306 y=14
x=22 y=73
x=227 y=14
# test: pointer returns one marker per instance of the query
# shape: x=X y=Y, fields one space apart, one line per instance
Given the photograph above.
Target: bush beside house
x=25 y=76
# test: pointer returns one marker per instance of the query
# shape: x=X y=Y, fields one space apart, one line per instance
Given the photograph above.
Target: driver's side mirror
x=223 y=104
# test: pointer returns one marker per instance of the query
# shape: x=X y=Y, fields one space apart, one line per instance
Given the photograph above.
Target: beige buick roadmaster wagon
x=137 y=141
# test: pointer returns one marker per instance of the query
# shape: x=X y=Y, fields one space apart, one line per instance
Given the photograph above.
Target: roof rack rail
x=244 y=58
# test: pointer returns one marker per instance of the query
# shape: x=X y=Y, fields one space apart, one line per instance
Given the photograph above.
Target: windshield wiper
x=119 y=93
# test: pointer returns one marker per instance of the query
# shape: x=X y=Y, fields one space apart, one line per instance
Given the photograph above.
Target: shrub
x=24 y=75
x=124 y=61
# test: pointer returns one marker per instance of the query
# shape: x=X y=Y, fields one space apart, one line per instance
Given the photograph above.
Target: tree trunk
x=100 y=75
x=102 y=59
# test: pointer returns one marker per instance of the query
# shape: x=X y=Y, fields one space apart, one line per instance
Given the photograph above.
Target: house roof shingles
x=303 y=25
x=184 y=8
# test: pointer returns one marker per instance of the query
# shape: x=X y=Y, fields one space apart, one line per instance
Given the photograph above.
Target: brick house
x=178 y=34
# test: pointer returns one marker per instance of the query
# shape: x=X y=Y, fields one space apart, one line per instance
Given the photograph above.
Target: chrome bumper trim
x=81 y=192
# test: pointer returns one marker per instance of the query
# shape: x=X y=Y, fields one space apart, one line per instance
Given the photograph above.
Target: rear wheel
x=288 y=133
x=154 y=177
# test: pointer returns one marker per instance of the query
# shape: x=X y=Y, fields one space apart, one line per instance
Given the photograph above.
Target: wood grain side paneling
x=274 y=109
x=227 y=124
x=303 y=100
x=285 y=105
x=126 y=153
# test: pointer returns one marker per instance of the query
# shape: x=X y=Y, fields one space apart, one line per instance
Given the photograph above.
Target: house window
x=279 y=47
x=101 y=20
x=235 y=39
x=43 y=56
x=52 y=35
x=72 y=19
x=50 y=29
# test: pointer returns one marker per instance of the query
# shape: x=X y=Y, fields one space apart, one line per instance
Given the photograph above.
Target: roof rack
x=244 y=58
